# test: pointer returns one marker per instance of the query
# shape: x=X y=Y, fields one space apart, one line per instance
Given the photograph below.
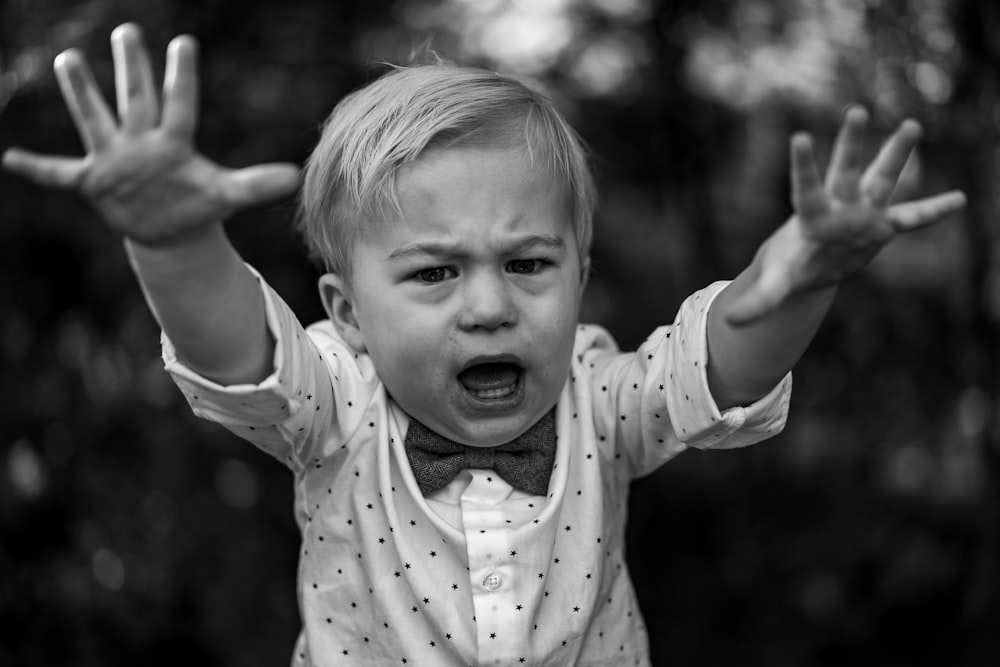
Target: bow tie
x=525 y=462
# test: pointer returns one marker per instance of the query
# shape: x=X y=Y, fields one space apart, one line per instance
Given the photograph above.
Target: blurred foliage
x=867 y=533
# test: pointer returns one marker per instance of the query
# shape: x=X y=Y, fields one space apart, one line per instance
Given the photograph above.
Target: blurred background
x=868 y=533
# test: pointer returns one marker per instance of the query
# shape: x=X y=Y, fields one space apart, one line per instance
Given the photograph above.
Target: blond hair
x=350 y=178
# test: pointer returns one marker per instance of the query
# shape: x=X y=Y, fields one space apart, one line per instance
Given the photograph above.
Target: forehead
x=489 y=188
x=437 y=167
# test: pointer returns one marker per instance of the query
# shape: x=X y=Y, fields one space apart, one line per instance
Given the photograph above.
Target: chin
x=496 y=432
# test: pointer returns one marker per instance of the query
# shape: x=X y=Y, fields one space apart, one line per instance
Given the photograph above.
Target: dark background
x=868 y=533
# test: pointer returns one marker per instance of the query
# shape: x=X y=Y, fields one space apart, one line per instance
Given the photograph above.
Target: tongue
x=489 y=376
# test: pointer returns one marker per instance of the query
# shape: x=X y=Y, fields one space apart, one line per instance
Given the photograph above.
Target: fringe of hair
x=350 y=178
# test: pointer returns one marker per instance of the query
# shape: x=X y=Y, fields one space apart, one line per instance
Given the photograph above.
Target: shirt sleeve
x=307 y=406
x=656 y=402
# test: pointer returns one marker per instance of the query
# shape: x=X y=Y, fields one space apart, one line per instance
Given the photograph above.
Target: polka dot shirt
x=478 y=573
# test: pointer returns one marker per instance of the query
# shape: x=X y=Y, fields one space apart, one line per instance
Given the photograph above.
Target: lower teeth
x=499 y=392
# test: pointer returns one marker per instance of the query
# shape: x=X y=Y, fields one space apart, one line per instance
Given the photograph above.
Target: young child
x=461 y=447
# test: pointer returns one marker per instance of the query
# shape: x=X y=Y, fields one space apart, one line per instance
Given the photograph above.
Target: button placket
x=490 y=574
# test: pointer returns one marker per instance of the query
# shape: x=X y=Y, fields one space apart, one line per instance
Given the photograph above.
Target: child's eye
x=435 y=275
x=524 y=266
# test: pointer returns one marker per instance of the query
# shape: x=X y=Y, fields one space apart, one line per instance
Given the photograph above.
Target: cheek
x=557 y=326
x=404 y=349
x=381 y=317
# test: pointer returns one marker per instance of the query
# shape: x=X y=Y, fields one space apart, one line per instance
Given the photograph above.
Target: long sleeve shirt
x=477 y=573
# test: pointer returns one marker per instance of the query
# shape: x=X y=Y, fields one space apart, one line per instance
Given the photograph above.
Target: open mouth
x=491 y=380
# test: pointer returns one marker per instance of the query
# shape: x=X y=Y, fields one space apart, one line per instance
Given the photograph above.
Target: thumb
x=914 y=214
x=261 y=183
x=50 y=170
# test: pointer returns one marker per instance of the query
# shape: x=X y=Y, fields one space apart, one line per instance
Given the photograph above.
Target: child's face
x=468 y=306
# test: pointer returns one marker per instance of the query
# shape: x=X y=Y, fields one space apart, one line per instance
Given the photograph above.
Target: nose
x=488 y=303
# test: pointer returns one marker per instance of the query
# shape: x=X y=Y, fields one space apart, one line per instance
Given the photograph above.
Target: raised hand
x=839 y=225
x=141 y=170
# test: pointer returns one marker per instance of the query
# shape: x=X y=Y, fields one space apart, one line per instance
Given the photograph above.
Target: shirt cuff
x=265 y=403
x=697 y=420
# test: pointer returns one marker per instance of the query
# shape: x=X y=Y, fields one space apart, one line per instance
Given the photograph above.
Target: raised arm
x=760 y=325
x=145 y=178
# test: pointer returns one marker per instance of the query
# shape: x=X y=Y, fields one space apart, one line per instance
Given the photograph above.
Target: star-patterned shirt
x=478 y=573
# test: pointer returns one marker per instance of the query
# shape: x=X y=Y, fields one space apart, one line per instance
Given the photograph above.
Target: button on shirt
x=477 y=573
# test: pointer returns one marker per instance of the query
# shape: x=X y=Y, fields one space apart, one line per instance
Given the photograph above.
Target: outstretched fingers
x=180 y=88
x=808 y=196
x=923 y=212
x=844 y=174
x=879 y=180
x=91 y=115
x=49 y=170
x=136 y=93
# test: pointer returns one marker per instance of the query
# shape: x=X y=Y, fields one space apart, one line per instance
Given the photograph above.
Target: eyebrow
x=438 y=249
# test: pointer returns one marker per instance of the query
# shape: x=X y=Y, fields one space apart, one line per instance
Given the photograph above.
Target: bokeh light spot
x=26 y=471
x=108 y=569
x=236 y=484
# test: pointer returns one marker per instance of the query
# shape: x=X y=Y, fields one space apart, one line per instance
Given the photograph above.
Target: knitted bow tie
x=525 y=462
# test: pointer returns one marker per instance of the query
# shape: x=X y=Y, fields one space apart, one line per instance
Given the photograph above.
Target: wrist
x=176 y=243
x=192 y=253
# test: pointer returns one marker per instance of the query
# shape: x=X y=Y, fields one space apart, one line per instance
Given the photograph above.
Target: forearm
x=209 y=305
x=747 y=361
x=839 y=225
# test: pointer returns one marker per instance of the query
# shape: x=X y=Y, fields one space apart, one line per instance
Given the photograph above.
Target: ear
x=339 y=304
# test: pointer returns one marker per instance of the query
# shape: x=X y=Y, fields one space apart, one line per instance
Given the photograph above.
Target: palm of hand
x=141 y=171
x=834 y=244
x=151 y=190
x=839 y=225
